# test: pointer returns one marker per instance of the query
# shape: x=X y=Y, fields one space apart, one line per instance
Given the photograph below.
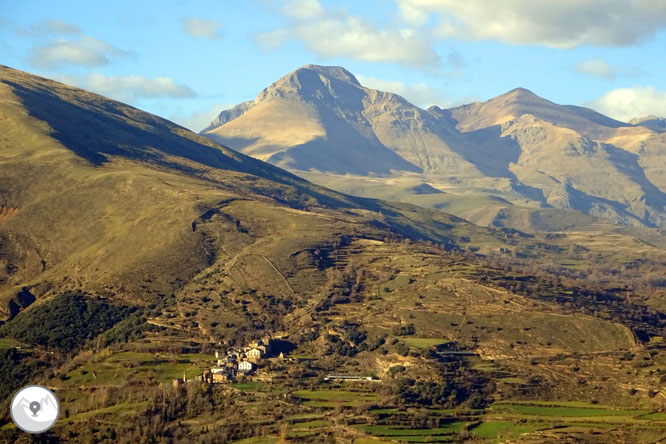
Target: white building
x=245 y=366
x=255 y=353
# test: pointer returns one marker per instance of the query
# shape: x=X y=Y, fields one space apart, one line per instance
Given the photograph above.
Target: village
x=233 y=363
x=242 y=363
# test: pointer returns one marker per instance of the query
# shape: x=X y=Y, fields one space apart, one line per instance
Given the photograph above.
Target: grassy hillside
x=132 y=250
x=103 y=196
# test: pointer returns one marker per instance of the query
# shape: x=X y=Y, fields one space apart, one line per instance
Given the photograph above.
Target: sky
x=189 y=60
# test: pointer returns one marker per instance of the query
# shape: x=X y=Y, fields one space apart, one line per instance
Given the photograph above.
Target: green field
x=312 y=424
x=332 y=398
x=6 y=343
x=563 y=411
x=125 y=366
x=405 y=434
x=371 y=441
x=423 y=342
x=505 y=429
x=249 y=385
x=118 y=410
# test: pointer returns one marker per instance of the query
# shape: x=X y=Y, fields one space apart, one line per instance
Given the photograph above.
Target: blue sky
x=188 y=60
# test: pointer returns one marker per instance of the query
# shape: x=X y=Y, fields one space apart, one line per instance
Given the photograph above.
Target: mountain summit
x=520 y=101
x=159 y=204
x=320 y=122
x=312 y=118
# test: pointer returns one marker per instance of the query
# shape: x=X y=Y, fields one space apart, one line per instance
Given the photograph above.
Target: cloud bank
x=131 y=88
x=329 y=33
x=601 y=69
x=553 y=23
x=626 y=103
x=84 y=51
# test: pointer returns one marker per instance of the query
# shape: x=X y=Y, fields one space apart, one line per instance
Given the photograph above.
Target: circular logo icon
x=34 y=409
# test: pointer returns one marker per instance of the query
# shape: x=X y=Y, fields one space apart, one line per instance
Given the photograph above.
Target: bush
x=406 y=330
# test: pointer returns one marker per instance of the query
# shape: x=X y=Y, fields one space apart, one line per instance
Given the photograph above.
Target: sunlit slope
x=518 y=147
x=321 y=118
x=98 y=195
x=576 y=158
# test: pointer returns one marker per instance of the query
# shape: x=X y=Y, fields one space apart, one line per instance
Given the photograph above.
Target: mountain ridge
x=157 y=203
x=134 y=252
x=518 y=146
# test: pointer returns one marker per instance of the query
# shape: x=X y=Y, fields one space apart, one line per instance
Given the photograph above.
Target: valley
x=133 y=250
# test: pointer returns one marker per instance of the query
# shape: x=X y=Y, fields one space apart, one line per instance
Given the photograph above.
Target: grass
x=388 y=430
x=197 y=357
x=312 y=424
x=332 y=398
x=257 y=440
x=252 y=386
x=168 y=371
x=314 y=415
x=563 y=411
x=131 y=356
x=492 y=429
x=125 y=408
x=371 y=441
x=655 y=416
x=581 y=404
x=403 y=434
x=6 y=343
x=386 y=411
x=484 y=367
x=423 y=343
x=512 y=380
x=121 y=367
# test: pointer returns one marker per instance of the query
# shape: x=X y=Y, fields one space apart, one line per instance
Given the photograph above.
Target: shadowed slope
x=97 y=195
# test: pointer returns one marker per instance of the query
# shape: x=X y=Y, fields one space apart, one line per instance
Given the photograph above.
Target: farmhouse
x=245 y=366
x=255 y=354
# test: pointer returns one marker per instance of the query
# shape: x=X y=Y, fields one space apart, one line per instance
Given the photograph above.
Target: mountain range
x=132 y=251
x=100 y=196
x=496 y=163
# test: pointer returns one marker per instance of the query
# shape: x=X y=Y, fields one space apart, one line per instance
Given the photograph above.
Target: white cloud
x=205 y=29
x=554 y=23
x=46 y=27
x=86 y=51
x=626 y=103
x=340 y=34
x=303 y=9
x=596 y=68
x=599 y=68
x=131 y=87
x=419 y=94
